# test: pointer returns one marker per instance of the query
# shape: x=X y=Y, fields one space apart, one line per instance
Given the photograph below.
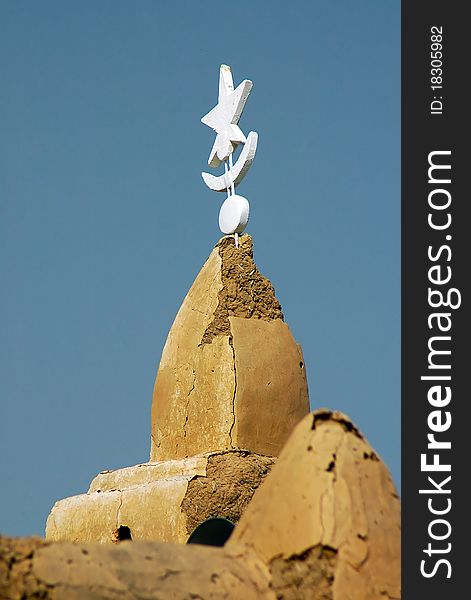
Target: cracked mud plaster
x=226 y=490
x=159 y=501
x=232 y=441
x=350 y=506
x=231 y=375
x=245 y=292
x=132 y=570
x=85 y=518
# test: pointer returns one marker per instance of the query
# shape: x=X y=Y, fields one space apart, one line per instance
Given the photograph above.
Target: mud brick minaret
x=229 y=391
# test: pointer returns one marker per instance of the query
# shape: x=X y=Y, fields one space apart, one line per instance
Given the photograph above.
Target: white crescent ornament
x=240 y=169
x=234 y=214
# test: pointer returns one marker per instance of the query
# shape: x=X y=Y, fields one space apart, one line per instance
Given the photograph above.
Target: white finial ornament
x=224 y=119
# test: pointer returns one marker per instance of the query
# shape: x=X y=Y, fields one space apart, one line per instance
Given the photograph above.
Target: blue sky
x=105 y=220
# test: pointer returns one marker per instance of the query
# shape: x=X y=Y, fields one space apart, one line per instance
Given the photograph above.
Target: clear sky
x=105 y=220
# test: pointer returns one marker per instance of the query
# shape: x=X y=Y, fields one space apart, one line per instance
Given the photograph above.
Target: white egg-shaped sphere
x=234 y=214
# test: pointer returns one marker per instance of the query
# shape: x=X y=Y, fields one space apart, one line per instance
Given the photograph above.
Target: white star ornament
x=224 y=117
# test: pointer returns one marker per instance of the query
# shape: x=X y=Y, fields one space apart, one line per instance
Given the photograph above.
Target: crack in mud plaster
x=235 y=391
x=321 y=514
x=188 y=403
x=119 y=508
x=245 y=291
x=362 y=535
x=159 y=434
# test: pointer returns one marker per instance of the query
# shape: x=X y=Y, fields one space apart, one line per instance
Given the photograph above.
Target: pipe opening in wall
x=212 y=532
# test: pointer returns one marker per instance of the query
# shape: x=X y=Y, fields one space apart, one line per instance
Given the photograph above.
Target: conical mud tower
x=230 y=388
x=231 y=374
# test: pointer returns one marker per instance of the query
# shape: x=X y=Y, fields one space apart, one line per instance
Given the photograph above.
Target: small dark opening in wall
x=212 y=532
x=122 y=533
